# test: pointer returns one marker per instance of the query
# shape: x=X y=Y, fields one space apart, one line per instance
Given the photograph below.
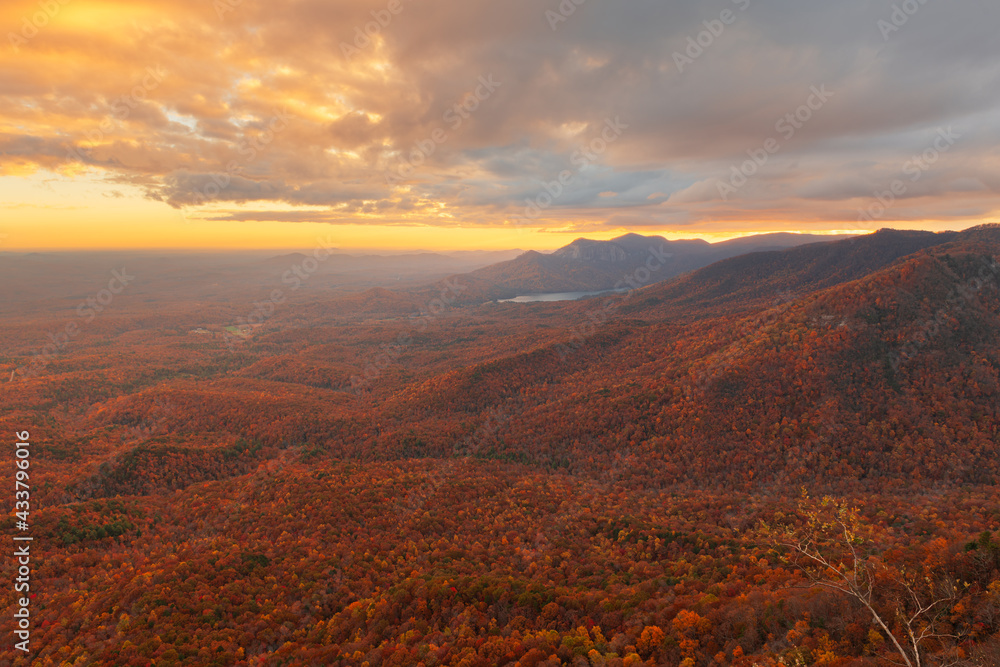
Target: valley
x=395 y=476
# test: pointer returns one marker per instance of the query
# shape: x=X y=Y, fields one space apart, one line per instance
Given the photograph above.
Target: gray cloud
x=352 y=121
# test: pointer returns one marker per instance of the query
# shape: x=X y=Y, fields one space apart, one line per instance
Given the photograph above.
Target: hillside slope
x=760 y=279
x=880 y=380
x=588 y=266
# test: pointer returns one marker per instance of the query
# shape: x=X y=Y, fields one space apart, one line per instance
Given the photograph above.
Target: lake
x=554 y=296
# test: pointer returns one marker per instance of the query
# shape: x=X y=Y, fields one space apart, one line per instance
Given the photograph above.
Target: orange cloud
x=479 y=115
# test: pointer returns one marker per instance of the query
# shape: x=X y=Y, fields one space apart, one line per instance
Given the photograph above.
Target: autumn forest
x=786 y=456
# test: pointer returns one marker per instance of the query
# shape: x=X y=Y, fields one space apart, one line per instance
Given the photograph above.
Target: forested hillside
x=371 y=478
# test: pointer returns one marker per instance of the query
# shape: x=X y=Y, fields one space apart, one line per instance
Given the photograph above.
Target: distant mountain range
x=760 y=278
x=586 y=265
x=862 y=363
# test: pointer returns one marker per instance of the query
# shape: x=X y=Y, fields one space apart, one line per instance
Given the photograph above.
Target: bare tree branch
x=829 y=554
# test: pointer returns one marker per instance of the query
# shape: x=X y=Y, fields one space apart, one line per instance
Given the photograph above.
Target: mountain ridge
x=846 y=370
x=587 y=265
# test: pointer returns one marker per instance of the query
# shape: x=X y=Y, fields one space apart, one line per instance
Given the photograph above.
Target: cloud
x=180 y=98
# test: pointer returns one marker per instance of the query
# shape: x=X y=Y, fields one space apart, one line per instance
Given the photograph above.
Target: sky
x=461 y=124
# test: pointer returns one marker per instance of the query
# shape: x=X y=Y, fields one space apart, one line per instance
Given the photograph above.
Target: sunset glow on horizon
x=461 y=126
